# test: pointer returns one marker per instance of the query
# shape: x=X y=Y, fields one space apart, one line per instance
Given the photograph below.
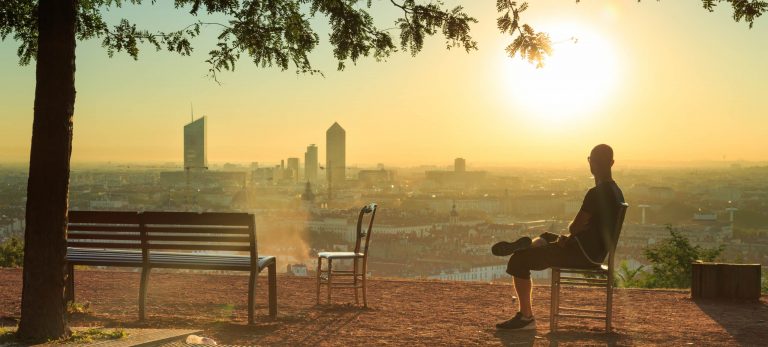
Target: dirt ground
x=401 y=312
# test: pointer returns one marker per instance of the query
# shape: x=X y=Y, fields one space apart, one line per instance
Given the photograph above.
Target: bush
x=671 y=260
x=12 y=252
x=631 y=278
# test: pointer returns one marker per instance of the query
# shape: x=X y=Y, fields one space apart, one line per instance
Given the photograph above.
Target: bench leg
x=273 y=289
x=251 y=294
x=319 y=271
x=330 y=279
x=70 y=289
x=143 y=291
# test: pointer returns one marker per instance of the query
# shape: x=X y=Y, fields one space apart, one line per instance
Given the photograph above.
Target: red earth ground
x=401 y=312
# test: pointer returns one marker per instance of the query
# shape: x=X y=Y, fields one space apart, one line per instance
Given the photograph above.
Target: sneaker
x=505 y=248
x=518 y=322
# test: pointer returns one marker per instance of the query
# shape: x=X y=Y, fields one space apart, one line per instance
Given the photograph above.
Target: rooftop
x=402 y=312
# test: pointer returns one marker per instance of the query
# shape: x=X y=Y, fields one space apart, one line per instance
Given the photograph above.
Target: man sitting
x=587 y=244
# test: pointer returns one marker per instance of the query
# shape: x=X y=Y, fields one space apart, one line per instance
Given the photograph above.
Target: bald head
x=601 y=161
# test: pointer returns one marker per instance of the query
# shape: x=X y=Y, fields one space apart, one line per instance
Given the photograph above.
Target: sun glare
x=580 y=75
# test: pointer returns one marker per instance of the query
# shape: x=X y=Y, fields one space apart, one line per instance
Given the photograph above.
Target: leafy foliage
x=278 y=32
x=631 y=278
x=747 y=10
x=671 y=260
x=270 y=32
x=529 y=44
x=12 y=252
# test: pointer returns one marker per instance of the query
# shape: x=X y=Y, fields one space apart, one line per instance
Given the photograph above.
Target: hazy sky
x=656 y=80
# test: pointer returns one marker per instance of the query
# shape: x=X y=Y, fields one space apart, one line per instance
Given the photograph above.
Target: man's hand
x=562 y=240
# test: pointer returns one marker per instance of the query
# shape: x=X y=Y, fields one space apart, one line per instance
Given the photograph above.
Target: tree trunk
x=43 y=315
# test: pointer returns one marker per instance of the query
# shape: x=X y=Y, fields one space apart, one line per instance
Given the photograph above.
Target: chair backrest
x=364 y=233
x=616 y=232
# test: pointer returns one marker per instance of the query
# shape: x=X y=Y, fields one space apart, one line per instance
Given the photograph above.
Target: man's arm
x=580 y=222
x=578 y=225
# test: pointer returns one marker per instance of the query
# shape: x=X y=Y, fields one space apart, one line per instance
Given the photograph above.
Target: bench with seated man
x=586 y=245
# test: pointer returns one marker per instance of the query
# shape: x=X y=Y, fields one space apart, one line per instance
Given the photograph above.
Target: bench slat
x=113 y=236
x=186 y=238
x=111 y=217
x=180 y=229
x=103 y=245
x=193 y=218
x=103 y=227
x=198 y=247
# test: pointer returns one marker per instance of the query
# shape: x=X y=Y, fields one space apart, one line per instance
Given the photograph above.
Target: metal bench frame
x=150 y=240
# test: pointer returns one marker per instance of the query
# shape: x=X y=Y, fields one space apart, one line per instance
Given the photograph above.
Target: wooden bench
x=150 y=240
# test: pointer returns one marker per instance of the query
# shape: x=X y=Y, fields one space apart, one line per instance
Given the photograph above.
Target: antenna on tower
x=191 y=113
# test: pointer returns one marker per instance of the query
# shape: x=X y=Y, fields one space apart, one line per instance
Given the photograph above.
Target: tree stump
x=725 y=281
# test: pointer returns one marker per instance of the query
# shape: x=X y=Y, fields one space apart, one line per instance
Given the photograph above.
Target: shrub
x=12 y=252
x=671 y=260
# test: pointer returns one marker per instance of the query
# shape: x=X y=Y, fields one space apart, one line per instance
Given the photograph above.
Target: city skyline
x=699 y=89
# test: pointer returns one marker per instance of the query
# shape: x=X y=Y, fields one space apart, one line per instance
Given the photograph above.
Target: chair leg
x=143 y=291
x=251 y=294
x=273 y=289
x=354 y=281
x=365 y=285
x=609 y=304
x=330 y=280
x=319 y=271
x=70 y=289
x=554 y=303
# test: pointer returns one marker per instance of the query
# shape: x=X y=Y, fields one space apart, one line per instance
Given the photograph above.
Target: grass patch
x=7 y=336
x=76 y=307
x=95 y=334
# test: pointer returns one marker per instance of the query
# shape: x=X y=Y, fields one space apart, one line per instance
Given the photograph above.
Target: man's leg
x=524 y=289
x=538 y=242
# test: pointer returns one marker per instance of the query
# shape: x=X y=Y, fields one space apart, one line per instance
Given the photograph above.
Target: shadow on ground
x=745 y=321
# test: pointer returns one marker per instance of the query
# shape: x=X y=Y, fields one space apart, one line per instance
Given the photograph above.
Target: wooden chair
x=601 y=275
x=330 y=277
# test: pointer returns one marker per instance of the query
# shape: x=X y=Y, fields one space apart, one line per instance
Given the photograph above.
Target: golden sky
x=657 y=80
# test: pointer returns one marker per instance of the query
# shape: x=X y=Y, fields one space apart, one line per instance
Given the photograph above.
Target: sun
x=579 y=77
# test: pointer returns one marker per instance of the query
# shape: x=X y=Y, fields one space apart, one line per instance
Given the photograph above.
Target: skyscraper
x=460 y=165
x=310 y=164
x=293 y=167
x=195 y=148
x=335 y=154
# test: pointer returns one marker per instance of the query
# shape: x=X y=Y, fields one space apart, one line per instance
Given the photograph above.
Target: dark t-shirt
x=602 y=203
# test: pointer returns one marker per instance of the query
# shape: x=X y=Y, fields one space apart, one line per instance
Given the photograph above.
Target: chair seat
x=340 y=255
x=600 y=269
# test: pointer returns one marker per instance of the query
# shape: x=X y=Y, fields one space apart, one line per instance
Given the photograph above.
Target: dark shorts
x=540 y=258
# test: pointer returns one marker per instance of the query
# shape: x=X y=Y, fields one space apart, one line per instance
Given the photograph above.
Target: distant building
x=459 y=165
x=293 y=167
x=335 y=154
x=453 y=218
x=195 y=150
x=376 y=176
x=310 y=164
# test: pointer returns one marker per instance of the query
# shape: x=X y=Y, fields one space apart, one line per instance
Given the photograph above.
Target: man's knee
x=518 y=267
